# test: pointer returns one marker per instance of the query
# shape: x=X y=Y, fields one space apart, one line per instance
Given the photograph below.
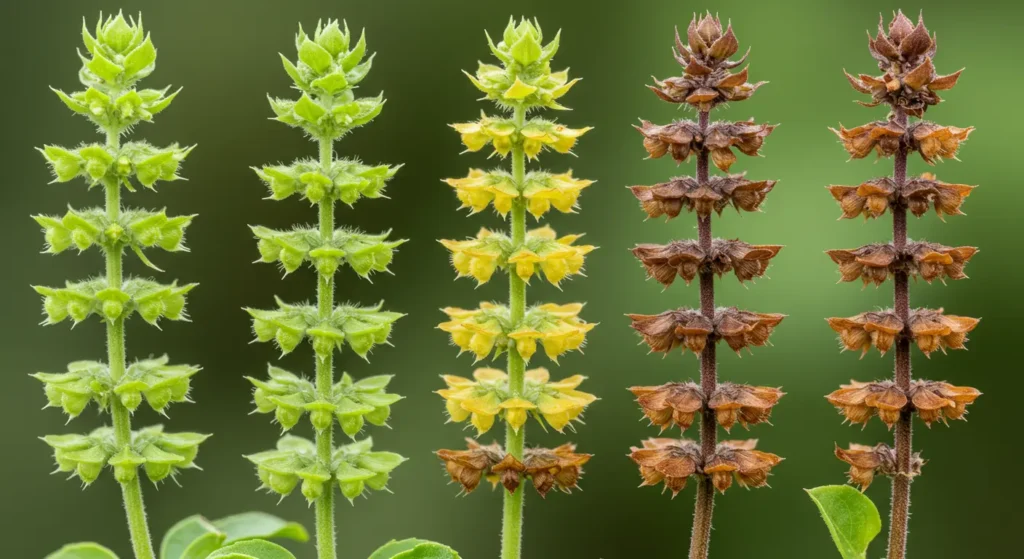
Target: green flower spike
x=329 y=67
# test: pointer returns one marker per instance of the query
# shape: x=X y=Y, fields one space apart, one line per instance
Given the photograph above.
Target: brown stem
x=900 y=513
x=704 y=508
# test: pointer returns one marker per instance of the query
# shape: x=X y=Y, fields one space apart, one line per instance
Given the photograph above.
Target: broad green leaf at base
x=413 y=548
x=82 y=550
x=259 y=525
x=851 y=517
x=252 y=549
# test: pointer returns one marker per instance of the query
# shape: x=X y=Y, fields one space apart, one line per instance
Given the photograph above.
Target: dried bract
x=468 y=467
x=749 y=405
x=670 y=198
x=939 y=401
x=738 y=459
x=674 y=402
x=873 y=197
x=868 y=461
x=559 y=468
x=858 y=401
x=875 y=262
x=684 y=138
x=686 y=259
x=671 y=461
x=929 y=328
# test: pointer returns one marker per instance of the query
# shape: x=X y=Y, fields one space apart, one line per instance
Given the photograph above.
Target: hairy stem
x=512 y=517
x=131 y=491
x=900 y=510
x=700 y=540
x=326 y=543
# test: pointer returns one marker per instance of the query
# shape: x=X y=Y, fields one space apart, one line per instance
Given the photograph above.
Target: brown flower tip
x=749 y=405
x=685 y=259
x=868 y=461
x=858 y=401
x=669 y=198
x=468 y=467
x=558 y=468
x=671 y=461
x=904 y=54
x=873 y=197
x=706 y=80
x=738 y=459
x=939 y=401
x=683 y=138
x=689 y=329
x=674 y=402
x=932 y=141
x=875 y=262
x=929 y=328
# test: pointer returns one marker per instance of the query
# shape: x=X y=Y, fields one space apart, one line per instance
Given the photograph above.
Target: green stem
x=512 y=519
x=326 y=543
x=132 y=490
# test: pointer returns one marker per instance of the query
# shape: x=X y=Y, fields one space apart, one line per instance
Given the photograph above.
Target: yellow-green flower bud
x=281 y=483
x=351 y=489
x=351 y=425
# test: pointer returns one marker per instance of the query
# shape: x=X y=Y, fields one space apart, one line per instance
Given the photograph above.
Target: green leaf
x=203 y=546
x=850 y=516
x=252 y=549
x=259 y=525
x=413 y=548
x=181 y=536
x=82 y=550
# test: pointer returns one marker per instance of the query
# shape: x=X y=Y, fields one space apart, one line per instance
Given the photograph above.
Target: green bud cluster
x=364 y=253
x=525 y=78
x=160 y=454
x=344 y=180
x=152 y=380
x=354 y=467
x=118 y=53
x=361 y=327
x=79 y=300
x=289 y=396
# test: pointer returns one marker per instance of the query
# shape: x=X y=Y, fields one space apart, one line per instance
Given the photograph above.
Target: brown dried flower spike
x=706 y=83
x=908 y=86
x=559 y=468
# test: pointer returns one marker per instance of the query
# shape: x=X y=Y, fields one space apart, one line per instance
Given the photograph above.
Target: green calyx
x=152 y=380
x=134 y=228
x=161 y=454
x=79 y=300
x=345 y=180
x=99 y=164
x=360 y=327
x=354 y=467
x=289 y=397
x=363 y=252
x=326 y=72
x=525 y=78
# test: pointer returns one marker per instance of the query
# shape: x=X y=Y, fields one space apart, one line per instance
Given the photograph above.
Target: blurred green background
x=225 y=55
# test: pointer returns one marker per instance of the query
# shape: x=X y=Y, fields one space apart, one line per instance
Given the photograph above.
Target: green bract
x=361 y=327
x=342 y=180
x=354 y=467
x=364 y=253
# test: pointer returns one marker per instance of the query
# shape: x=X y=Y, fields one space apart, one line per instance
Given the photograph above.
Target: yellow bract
x=480 y=188
x=558 y=328
x=556 y=136
x=474 y=258
x=561 y=191
x=557 y=259
x=487 y=396
x=503 y=133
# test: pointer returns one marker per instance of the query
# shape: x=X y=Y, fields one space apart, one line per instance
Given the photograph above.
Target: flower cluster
x=79 y=300
x=929 y=328
x=673 y=461
x=547 y=469
x=931 y=400
x=363 y=252
x=679 y=403
x=874 y=263
x=917 y=194
x=355 y=467
x=686 y=259
x=706 y=81
x=152 y=380
x=490 y=328
x=684 y=137
x=289 y=396
x=690 y=329
x=714 y=195
x=360 y=327
x=904 y=53
x=868 y=461
x=160 y=454
x=488 y=395
x=539 y=190
x=343 y=180
x=535 y=135
x=886 y=138
x=543 y=251
x=104 y=164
